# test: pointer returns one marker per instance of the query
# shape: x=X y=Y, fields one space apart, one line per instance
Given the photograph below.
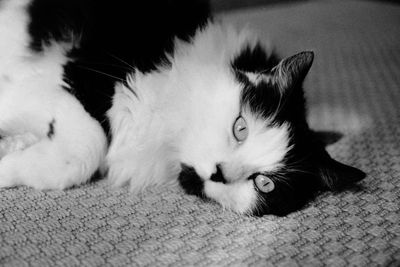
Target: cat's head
x=250 y=148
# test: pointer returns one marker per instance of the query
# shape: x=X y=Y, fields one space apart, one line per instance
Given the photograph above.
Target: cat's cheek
x=240 y=196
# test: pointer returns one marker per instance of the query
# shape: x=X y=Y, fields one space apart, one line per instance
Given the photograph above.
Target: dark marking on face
x=190 y=181
x=291 y=191
x=218 y=176
x=51 y=131
x=307 y=169
x=254 y=59
x=262 y=99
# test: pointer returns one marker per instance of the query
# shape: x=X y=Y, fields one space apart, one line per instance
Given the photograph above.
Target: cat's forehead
x=261 y=97
x=252 y=67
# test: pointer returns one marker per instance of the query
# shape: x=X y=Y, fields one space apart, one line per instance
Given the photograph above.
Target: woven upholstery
x=353 y=88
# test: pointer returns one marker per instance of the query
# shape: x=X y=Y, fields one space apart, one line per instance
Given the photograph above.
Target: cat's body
x=185 y=98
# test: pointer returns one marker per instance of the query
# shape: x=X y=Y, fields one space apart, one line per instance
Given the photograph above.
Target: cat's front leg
x=48 y=141
x=142 y=167
x=140 y=154
x=19 y=142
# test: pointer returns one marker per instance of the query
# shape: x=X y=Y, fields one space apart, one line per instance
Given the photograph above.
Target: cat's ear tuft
x=335 y=175
x=293 y=70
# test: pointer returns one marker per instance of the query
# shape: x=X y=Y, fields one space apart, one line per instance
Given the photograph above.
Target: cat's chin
x=240 y=196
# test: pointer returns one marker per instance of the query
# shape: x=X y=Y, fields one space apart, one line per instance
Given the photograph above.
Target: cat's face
x=250 y=148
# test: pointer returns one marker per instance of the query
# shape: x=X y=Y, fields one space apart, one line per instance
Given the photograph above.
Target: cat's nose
x=218 y=176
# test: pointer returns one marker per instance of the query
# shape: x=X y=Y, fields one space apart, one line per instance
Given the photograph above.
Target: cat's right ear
x=336 y=175
x=292 y=70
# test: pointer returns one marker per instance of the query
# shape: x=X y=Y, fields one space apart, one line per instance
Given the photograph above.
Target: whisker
x=284 y=179
x=121 y=60
x=106 y=64
x=100 y=72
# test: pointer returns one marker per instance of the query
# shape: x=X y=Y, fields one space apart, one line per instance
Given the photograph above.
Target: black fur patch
x=51 y=131
x=190 y=181
x=254 y=59
x=308 y=168
x=265 y=98
x=294 y=184
x=114 y=38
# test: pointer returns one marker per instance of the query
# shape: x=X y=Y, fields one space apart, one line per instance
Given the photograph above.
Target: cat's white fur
x=185 y=114
x=32 y=97
x=182 y=113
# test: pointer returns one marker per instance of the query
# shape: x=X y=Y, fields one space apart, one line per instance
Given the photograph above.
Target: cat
x=155 y=92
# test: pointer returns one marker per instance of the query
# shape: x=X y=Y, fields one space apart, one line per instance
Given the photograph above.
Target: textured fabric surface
x=353 y=88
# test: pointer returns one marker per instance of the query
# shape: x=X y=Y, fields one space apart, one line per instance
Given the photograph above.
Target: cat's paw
x=10 y=144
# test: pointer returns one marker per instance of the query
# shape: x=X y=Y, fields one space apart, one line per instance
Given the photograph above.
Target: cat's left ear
x=336 y=175
x=292 y=70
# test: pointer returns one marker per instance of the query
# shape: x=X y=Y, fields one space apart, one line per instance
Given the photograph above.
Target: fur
x=84 y=88
x=33 y=104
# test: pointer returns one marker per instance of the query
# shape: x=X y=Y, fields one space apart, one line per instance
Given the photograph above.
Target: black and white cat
x=179 y=97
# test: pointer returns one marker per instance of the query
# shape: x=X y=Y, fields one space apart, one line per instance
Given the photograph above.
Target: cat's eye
x=264 y=184
x=240 y=130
